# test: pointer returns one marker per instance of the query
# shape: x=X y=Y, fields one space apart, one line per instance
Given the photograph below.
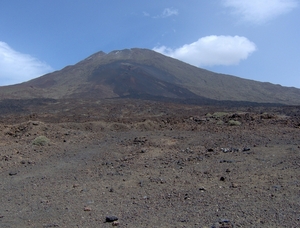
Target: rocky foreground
x=148 y=164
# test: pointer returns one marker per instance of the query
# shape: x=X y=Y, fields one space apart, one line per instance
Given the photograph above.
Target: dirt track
x=151 y=165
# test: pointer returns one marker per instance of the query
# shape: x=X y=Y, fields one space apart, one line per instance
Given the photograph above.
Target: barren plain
x=72 y=163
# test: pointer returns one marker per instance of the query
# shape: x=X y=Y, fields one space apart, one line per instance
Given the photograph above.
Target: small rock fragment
x=234 y=185
x=202 y=189
x=12 y=173
x=111 y=218
x=223 y=223
x=51 y=225
x=226 y=150
x=87 y=208
x=226 y=161
x=115 y=223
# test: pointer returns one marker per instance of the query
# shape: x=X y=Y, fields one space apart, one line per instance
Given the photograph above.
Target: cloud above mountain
x=16 y=67
x=167 y=12
x=259 y=11
x=212 y=50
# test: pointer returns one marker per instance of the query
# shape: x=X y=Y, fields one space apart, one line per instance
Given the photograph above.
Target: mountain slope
x=137 y=72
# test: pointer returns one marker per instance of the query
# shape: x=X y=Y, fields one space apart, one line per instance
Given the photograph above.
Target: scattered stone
x=115 y=223
x=234 y=185
x=108 y=163
x=223 y=223
x=186 y=197
x=226 y=161
x=210 y=150
x=87 y=208
x=111 y=218
x=139 y=140
x=235 y=149
x=198 y=119
x=188 y=151
x=51 y=225
x=12 y=173
x=276 y=187
x=222 y=178
x=202 y=189
x=35 y=123
x=246 y=149
x=226 y=150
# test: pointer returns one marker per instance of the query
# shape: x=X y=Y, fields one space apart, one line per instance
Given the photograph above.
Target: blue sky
x=257 y=39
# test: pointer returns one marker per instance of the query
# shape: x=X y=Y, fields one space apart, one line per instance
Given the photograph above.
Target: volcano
x=143 y=73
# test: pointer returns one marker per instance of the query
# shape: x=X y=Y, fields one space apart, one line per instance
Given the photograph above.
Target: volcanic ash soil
x=150 y=165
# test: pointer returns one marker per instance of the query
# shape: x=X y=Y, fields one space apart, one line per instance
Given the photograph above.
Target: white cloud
x=16 y=67
x=167 y=12
x=260 y=11
x=212 y=50
x=146 y=14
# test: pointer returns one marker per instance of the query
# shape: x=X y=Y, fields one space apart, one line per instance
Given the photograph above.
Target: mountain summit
x=140 y=73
